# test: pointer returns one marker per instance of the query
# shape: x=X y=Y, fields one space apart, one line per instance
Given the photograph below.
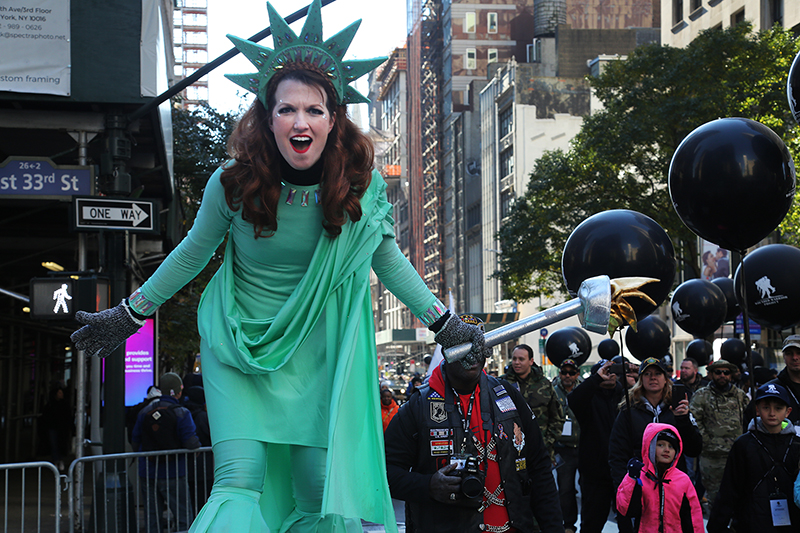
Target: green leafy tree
x=200 y=138
x=620 y=158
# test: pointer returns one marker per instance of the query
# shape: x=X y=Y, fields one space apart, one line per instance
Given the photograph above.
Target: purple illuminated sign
x=139 y=363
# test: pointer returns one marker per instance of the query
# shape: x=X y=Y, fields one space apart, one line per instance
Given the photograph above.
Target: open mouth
x=301 y=143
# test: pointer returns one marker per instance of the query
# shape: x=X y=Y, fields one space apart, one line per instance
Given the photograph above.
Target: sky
x=383 y=28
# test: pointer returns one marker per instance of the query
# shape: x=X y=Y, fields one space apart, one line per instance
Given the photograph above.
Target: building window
x=491 y=55
x=695 y=5
x=506 y=121
x=677 y=11
x=194 y=92
x=195 y=56
x=775 y=13
x=195 y=37
x=195 y=19
x=507 y=162
x=470 y=60
x=506 y=203
x=473 y=216
x=491 y=22
x=469 y=22
x=737 y=17
x=177 y=35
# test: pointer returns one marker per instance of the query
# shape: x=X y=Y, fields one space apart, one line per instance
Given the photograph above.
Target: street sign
x=39 y=177
x=95 y=213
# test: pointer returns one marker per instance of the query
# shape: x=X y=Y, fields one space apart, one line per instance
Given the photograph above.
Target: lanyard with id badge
x=778 y=502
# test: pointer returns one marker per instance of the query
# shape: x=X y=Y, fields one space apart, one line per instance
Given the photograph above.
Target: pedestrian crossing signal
x=59 y=298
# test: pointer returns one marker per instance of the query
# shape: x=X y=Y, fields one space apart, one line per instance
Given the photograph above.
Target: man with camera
x=467 y=456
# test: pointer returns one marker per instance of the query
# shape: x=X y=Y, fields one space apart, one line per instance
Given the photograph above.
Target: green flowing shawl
x=336 y=284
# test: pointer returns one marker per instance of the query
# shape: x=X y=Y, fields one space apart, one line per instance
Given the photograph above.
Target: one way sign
x=93 y=213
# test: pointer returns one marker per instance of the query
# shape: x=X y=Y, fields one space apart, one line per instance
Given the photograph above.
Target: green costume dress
x=289 y=344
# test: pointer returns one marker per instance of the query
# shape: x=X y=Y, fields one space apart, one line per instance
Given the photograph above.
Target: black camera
x=472 y=479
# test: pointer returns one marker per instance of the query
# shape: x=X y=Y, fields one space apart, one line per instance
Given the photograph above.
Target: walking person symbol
x=61 y=296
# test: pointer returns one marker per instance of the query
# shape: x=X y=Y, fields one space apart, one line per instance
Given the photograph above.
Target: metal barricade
x=23 y=482
x=107 y=494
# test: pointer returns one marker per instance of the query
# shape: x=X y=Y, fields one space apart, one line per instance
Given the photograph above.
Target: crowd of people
x=661 y=452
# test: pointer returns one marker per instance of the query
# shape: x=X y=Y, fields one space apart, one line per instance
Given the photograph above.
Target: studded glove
x=456 y=332
x=106 y=330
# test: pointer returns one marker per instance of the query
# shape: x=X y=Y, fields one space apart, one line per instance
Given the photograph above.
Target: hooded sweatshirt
x=665 y=502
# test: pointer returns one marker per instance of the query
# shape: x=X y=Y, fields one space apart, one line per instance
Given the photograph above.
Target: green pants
x=712 y=469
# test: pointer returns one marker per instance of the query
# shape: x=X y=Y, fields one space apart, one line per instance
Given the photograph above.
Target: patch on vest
x=433 y=395
x=500 y=391
x=519 y=438
x=438 y=413
x=521 y=464
x=441 y=447
x=440 y=433
x=505 y=404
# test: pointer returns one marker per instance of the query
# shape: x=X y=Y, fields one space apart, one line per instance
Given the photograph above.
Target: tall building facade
x=190 y=34
x=685 y=19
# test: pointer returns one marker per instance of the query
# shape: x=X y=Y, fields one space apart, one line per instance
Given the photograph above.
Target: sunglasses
x=722 y=372
x=569 y=372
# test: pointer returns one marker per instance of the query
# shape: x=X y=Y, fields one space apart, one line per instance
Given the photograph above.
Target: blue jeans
x=173 y=491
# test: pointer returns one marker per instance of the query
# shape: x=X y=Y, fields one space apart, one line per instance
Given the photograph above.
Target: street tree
x=200 y=141
x=620 y=157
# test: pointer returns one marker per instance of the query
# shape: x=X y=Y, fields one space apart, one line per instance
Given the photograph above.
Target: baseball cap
x=652 y=361
x=773 y=390
x=568 y=362
x=791 y=340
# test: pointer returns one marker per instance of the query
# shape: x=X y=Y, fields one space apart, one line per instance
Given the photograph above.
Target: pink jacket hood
x=649 y=446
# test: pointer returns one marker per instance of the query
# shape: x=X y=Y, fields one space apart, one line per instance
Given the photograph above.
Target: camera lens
x=471 y=486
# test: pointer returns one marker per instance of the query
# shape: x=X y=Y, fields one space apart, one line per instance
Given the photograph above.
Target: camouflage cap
x=722 y=363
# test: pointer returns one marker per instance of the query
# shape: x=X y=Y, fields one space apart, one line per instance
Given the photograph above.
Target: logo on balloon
x=574 y=349
x=765 y=288
x=677 y=313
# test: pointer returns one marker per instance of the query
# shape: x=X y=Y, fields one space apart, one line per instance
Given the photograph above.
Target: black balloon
x=652 y=339
x=568 y=343
x=726 y=284
x=620 y=243
x=732 y=181
x=733 y=351
x=772 y=285
x=793 y=88
x=757 y=359
x=698 y=307
x=700 y=350
x=607 y=349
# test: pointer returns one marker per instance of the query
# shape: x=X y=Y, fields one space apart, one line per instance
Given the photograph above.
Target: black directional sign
x=93 y=213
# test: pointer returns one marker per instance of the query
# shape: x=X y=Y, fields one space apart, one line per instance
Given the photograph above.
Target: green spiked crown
x=307 y=51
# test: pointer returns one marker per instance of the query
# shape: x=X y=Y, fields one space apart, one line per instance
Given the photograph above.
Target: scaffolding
x=425 y=142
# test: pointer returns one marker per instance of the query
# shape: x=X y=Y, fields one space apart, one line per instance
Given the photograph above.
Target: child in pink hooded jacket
x=655 y=492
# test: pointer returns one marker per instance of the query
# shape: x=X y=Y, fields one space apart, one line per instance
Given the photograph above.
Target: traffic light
x=59 y=298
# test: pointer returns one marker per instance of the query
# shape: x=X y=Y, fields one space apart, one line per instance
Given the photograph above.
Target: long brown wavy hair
x=637 y=391
x=253 y=182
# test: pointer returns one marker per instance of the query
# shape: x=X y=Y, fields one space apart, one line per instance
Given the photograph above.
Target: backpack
x=160 y=427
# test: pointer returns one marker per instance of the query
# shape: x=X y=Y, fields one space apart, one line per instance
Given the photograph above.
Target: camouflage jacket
x=570 y=433
x=719 y=416
x=541 y=397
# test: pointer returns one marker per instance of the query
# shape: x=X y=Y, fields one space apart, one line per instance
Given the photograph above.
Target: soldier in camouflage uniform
x=718 y=409
x=567 y=446
x=529 y=378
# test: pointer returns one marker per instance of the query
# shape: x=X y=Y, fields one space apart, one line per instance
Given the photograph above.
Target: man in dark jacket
x=594 y=403
x=691 y=377
x=492 y=475
x=165 y=424
x=789 y=377
x=567 y=445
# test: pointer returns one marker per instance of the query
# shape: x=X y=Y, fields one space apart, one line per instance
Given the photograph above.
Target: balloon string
x=746 y=326
x=625 y=385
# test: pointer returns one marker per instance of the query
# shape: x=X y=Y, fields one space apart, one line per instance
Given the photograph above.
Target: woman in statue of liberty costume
x=288 y=341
